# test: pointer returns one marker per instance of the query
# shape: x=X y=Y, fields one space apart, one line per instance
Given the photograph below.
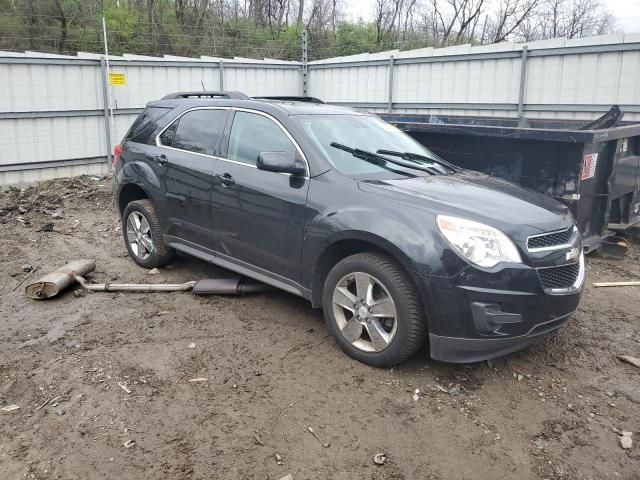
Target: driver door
x=258 y=216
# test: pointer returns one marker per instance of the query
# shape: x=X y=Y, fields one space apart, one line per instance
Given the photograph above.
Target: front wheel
x=143 y=237
x=373 y=310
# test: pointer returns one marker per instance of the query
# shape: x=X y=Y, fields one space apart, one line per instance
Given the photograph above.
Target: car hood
x=478 y=197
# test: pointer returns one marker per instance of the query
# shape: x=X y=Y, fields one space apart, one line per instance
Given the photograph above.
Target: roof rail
x=291 y=99
x=207 y=94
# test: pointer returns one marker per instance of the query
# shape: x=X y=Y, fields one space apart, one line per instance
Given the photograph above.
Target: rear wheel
x=373 y=310
x=143 y=237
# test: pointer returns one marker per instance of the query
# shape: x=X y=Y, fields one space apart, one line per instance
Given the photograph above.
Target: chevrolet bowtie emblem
x=573 y=254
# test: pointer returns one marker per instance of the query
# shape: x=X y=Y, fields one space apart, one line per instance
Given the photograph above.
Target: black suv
x=337 y=206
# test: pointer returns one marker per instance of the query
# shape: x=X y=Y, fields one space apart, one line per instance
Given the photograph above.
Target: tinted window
x=145 y=124
x=196 y=131
x=252 y=134
x=166 y=137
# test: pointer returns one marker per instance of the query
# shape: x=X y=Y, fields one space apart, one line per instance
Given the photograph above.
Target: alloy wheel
x=139 y=235
x=365 y=312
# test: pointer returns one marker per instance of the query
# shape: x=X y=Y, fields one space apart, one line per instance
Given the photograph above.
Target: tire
x=387 y=345
x=159 y=254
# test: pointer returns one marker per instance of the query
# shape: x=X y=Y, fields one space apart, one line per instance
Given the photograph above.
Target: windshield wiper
x=379 y=160
x=415 y=156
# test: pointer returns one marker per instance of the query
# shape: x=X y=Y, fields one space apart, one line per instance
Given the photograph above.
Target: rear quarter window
x=145 y=124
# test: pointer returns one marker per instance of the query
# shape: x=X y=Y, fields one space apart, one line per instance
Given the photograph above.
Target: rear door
x=185 y=159
x=258 y=216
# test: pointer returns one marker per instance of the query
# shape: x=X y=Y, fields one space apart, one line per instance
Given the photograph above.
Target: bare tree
x=509 y=17
x=567 y=18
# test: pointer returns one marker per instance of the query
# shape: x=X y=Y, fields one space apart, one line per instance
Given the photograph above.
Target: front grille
x=559 y=277
x=550 y=239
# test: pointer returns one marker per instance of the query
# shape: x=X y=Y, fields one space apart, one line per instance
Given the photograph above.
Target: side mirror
x=281 y=162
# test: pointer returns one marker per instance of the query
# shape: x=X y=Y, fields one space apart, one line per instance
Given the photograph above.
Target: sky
x=627 y=12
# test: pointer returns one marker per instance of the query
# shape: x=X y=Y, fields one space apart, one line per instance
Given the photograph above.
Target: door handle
x=159 y=159
x=226 y=179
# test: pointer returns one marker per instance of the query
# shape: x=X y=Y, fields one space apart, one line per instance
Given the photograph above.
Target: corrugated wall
x=564 y=79
x=52 y=119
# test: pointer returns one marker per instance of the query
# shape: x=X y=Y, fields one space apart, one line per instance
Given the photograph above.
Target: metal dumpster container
x=595 y=172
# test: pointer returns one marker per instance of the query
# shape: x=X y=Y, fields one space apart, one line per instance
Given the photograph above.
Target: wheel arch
x=350 y=243
x=128 y=193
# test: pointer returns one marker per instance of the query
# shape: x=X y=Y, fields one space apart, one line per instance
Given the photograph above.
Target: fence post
x=523 y=82
x=390 y=94
x=305 y=69
x=221 y=73
x=105 y=103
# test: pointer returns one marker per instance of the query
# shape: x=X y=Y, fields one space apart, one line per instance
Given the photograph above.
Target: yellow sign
x=118 y=79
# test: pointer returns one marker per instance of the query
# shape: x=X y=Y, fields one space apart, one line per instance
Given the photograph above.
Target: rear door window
x=197 y=131
x=252 y=134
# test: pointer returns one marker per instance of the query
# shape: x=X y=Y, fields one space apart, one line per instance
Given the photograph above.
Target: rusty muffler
x=55 y=282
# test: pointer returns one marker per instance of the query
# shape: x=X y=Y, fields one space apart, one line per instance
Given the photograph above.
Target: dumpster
x=596 y=173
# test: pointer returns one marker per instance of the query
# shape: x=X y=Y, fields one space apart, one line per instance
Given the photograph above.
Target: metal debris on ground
x=53 y=400
x=287 y=477
x=258 y=440
x=416 y=395
x=617 y=284
x=380 y=458
x=624 y=436
x=46 y=227
x=199 y=379
x=30 y=272
x=278 y=458
x=153 y=271
x=629 y=359
x=124 y=387
x=325 y=445
x=129 y=443
x=10 y=408
x=192 y=345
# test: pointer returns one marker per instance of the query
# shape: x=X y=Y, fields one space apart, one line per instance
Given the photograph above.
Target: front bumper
x=479 y=314
x=469 y=350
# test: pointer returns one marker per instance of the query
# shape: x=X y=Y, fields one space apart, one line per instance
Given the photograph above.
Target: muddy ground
x=96 y=374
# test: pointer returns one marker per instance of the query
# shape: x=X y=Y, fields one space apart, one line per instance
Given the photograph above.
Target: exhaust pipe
x=134 y=287
x=228 y=286
x=55 y=282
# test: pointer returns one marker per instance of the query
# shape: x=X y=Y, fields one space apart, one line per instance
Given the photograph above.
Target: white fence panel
x=350 y=84
x=564 y=79
x=151 y=82
x=52 y=117
x=52 y=107
x=41 y=87
x=256 y=81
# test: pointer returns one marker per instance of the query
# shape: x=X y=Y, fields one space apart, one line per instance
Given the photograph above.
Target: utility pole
x=305 y=70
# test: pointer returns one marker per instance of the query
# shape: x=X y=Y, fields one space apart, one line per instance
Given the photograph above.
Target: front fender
x=338 y=210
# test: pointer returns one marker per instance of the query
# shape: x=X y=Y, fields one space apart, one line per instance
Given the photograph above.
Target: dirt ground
x=103 y=380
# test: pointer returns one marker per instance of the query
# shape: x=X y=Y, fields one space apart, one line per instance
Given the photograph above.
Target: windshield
x=363 y=132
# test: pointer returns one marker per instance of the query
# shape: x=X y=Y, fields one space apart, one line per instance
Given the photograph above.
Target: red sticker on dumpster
x=589 y=166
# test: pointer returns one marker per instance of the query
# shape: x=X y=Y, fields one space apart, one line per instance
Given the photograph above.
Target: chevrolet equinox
x=395 y=244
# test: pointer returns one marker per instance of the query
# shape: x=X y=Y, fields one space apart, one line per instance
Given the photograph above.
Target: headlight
x=481 y=244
